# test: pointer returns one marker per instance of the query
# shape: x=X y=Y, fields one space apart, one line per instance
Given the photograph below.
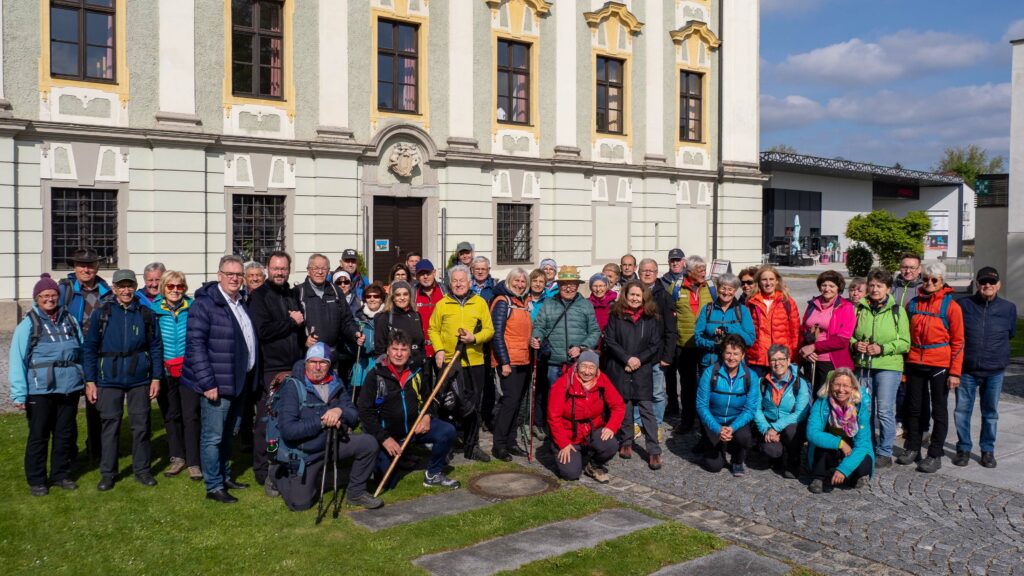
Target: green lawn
x=173 y=529
x=1017 y=344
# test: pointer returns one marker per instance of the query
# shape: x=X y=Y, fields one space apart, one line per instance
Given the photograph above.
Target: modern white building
x=182 y=130
x=1014 y=247
x=826 y=193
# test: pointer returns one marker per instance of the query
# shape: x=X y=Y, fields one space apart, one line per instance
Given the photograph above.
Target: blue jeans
x=441 y=436
x=220 y=422
x=883 y=385
x=660 y=396
x=990 y=389
x=554 y=373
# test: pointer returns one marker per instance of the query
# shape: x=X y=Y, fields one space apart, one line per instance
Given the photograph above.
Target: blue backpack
x=292 y=456
x=942 y=315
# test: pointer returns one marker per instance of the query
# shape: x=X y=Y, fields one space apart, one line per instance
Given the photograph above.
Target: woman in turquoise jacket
x=726 y=315
x=727 y=399
x=782 y=411
x=179 y=405
x=839 y=434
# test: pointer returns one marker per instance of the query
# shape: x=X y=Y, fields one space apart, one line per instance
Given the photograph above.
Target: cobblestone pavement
x=903 y=522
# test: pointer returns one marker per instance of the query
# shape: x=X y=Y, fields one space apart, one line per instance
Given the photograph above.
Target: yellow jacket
x=449 y=315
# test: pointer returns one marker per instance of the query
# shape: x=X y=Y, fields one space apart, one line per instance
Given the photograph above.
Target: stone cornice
x=698 y=29
x=617 y=10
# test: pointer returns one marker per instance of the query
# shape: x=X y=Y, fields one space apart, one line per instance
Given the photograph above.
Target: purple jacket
x=840 y=330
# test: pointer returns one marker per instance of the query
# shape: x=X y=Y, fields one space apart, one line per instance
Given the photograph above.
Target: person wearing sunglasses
x=372 y=305
x=179 y=406
x=933 y=365
x=748 y=285
x=989 y=325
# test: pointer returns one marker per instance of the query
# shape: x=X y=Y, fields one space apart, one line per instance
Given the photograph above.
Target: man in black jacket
x=392 y=398
x=663 y=299
x=328 y=318
x=278 y=323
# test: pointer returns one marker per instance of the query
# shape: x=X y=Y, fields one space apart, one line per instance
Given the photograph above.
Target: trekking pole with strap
x=412 y=430
x=329 y=454
x=533 y=391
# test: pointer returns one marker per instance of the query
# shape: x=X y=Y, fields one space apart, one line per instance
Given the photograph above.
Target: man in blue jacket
x=123 y=353
x=990 y=322
x=220 y=364
x=312 y=401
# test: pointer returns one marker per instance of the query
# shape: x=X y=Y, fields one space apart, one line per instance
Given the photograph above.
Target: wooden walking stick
x=412 y=430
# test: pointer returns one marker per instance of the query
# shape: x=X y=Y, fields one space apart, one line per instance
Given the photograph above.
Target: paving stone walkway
x=512 y=551
x=419 y=509
x=729 y=562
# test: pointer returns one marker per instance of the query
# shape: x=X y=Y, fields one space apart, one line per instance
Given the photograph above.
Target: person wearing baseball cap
x=428 y=292
x=350 y=264
x=464 y=253
x=989 y=325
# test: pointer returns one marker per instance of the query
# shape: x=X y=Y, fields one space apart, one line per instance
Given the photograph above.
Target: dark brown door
x=397 y=230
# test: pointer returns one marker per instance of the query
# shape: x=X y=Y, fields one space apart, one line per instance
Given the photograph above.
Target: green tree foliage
x=888 y=236
x=785 y=148
x=859 y=260
x=969 y=161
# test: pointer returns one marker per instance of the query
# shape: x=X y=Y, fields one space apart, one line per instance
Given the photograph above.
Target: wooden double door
x=397 y=230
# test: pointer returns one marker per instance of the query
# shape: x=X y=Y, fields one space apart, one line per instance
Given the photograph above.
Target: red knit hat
x=45 y=283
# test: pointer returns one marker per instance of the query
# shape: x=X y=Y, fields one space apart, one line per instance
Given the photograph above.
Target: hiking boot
x=962 y=458
x=501 y=454
x=883 y=462
x=105 y=483
x=195 y=473
x=146 y=479
x=221 y=496
x=597 y=473
x=626 y=451
x=816 y=486
x=988 y=459
x=789 y=474
x=654 y=462
x=66 y=484
x=39 y=490
x=862 y=482
x=234 y=484
x=929 y=465
x=439 y=480
x=738 y=470
x=478 y=455
x=517 y=451
x=366 y=500
x=269 y=489
x=908 y=457
x=177 y=465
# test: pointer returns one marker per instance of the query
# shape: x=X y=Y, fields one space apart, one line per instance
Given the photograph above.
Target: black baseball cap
x=676 y=254
x=349 y=254
x=988 y=273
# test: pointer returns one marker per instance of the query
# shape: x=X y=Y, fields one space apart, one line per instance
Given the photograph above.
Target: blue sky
x=887 y=81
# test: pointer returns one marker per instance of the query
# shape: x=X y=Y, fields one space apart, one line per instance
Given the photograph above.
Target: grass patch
x=1017 y=344
x=642 y=552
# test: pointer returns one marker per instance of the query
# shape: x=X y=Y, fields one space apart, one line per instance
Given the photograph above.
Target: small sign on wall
x=719 y=267
x=381 y=245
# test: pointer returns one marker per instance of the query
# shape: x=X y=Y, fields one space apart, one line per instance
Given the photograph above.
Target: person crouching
x=311 y=405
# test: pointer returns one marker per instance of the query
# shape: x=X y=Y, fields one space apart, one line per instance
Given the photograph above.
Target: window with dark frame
x=610 y=95
x=514 y=234
x=83 y=218
x=257 y=226
x=82 y=40
x=513 y=82
x=257 y=48
x=397 y=66
x=690 y=111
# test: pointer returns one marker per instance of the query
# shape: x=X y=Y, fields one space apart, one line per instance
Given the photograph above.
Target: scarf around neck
x=843 y=419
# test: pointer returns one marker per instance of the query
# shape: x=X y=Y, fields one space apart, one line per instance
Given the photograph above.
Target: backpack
x=795 y=387
x=714 y=381
x=677 y=286
x=37 y=330
x=572 y=406
x=148 y=319
x=292 y=456
x=942 y=315
x=735 y=309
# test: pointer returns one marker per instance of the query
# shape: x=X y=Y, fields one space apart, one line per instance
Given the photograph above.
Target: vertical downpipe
x=721 y=101
x=444 y=241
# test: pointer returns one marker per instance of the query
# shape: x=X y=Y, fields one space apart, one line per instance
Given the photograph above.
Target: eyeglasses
x=748 y=282
x=909 y=267
x=934 y=280
x=371 y=297
x=344 y=282
x=778 y=360
x=320 y=270
x=176 y=287
x=988 y=282
x=233 y=275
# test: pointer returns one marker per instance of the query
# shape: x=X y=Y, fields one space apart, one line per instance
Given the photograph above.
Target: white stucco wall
x=932 y=198
x=841 y=199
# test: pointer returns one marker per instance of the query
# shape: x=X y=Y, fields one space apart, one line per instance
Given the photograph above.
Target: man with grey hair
x=151 y=276
x=483 y=283
x=690 y=294
x=328 y=318
x=255 y=276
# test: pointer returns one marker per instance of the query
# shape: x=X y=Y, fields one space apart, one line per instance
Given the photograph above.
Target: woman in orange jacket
x=776 y=319
x=933 y=365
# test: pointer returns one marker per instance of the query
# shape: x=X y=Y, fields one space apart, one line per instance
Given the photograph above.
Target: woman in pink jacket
x=826 y=330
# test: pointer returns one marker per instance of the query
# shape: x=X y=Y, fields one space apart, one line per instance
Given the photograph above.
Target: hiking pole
x=336 y=508
x=323 y=476
x=533 y=391
x=412 y=430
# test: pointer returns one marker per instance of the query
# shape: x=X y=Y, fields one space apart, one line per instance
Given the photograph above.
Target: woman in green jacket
x=879 y=341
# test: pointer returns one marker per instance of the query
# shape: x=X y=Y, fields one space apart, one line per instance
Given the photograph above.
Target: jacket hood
x=159 y=310
x=502 y=289
x=946 y=289
x=605 y=300
x=901 y=283
x=865 y=303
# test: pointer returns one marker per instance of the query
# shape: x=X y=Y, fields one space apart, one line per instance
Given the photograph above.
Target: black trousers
x=687 y=362
x=826 y=462
x=715 y=449
x=672 y=384
x=110 y=402
x=924 y=382
x=169 y=401
x=596 y=450
x=473 y=377
x=190 y=424
x=93 y=432
x=820 y=374
x=791 y=440
x=50 y=416
x=488 y=396
x=513 y=387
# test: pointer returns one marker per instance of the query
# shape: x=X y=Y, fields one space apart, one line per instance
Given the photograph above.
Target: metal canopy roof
x=785 y=161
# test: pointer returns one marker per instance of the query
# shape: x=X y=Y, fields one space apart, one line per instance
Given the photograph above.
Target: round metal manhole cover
x=507 y=485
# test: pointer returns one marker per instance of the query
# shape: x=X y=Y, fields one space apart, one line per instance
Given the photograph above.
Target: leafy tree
x=784 y=148
x=859 y=260
x=969 y=161
x=888 y=236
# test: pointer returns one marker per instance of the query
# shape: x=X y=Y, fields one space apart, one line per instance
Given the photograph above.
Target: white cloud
x=789 y=112
x=1014 y=32
x=788 y=6
x=904 y=54
x=902 y=109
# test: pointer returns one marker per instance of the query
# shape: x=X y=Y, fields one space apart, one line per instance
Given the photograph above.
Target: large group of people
x=337 y=366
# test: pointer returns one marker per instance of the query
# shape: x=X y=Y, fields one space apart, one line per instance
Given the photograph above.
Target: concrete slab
x=1009 y=475
x=410 y=511
x=512 y=551
x=733 y=561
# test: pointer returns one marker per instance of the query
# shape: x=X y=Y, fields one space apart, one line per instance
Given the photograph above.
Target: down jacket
x=172 y=326
x=512 y=326
x=601 y=407
x=626 y=337
x=731 y=401
x=577 y=328
x=407 y=321
x=819 y=437
x=931 y=343
x=836 y=339
x=779 y=324
x=215 y=352
x=472 y=315
x=988 y=329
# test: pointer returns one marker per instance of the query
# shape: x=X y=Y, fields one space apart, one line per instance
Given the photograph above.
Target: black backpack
x=148 y=319
x=714 y=381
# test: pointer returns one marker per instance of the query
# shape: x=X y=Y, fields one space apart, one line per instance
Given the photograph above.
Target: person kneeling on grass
x=839 y=434
x=310 y=406
x=392 y=397
x=577 y=405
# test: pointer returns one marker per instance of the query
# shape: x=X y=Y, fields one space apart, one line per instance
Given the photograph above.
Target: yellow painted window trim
x=119 y=86
x=423 y=116
x=286 y=104
x=627 y=98
x=705 y=141
x=534 y=126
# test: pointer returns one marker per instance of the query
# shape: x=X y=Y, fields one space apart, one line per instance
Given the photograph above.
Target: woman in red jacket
x=577 y=405
x=776 y=319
